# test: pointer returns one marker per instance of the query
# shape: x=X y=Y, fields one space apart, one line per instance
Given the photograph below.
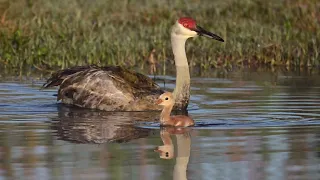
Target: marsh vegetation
x=49 y=35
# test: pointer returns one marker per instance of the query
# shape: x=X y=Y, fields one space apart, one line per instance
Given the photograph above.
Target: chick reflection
x=87 y=126
x=166 y=151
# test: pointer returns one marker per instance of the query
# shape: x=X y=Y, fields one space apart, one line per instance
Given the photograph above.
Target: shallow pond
x=251 y=124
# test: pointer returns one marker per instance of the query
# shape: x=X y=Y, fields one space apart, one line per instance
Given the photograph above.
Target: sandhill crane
x=114 y=88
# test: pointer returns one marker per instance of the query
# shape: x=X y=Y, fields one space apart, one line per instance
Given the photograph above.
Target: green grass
x=57 y=34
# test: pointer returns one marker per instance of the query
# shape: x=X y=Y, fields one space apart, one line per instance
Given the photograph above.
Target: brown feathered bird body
x=109 y=88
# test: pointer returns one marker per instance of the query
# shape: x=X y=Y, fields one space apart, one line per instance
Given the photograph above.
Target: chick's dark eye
x=166 y=98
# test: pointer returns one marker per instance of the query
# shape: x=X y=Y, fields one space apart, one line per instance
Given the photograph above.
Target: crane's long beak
x=203 y=32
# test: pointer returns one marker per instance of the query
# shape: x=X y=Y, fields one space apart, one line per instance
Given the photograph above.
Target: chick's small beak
x=203 y=32
x=159 y=101
x=158 y=150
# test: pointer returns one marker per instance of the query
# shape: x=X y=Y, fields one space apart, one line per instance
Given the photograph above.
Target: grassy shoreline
x=58 y=34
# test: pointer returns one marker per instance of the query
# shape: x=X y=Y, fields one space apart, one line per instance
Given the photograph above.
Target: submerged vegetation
x=57 y=34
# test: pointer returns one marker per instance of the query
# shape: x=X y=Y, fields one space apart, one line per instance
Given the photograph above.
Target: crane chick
x=167 y=101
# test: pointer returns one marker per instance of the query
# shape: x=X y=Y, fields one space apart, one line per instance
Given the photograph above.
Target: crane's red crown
x=188 y=22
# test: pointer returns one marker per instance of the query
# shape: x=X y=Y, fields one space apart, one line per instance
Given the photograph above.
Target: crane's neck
x=165 y=115
x=182 y=90
x=183 y=154
x=165 y=137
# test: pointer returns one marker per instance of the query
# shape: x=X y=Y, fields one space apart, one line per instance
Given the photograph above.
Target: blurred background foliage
x=50 y=35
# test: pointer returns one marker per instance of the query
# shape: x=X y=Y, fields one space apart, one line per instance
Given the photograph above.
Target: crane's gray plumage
x=109 y=88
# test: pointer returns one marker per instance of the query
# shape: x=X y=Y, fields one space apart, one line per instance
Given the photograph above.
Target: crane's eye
x=166 y=98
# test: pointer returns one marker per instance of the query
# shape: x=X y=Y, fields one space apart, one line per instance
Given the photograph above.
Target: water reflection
x=166 y=151
x=266 y=153
x=250 y=124
x=88 y=126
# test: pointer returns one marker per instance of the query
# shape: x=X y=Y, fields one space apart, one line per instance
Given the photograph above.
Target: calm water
x=250 y=125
